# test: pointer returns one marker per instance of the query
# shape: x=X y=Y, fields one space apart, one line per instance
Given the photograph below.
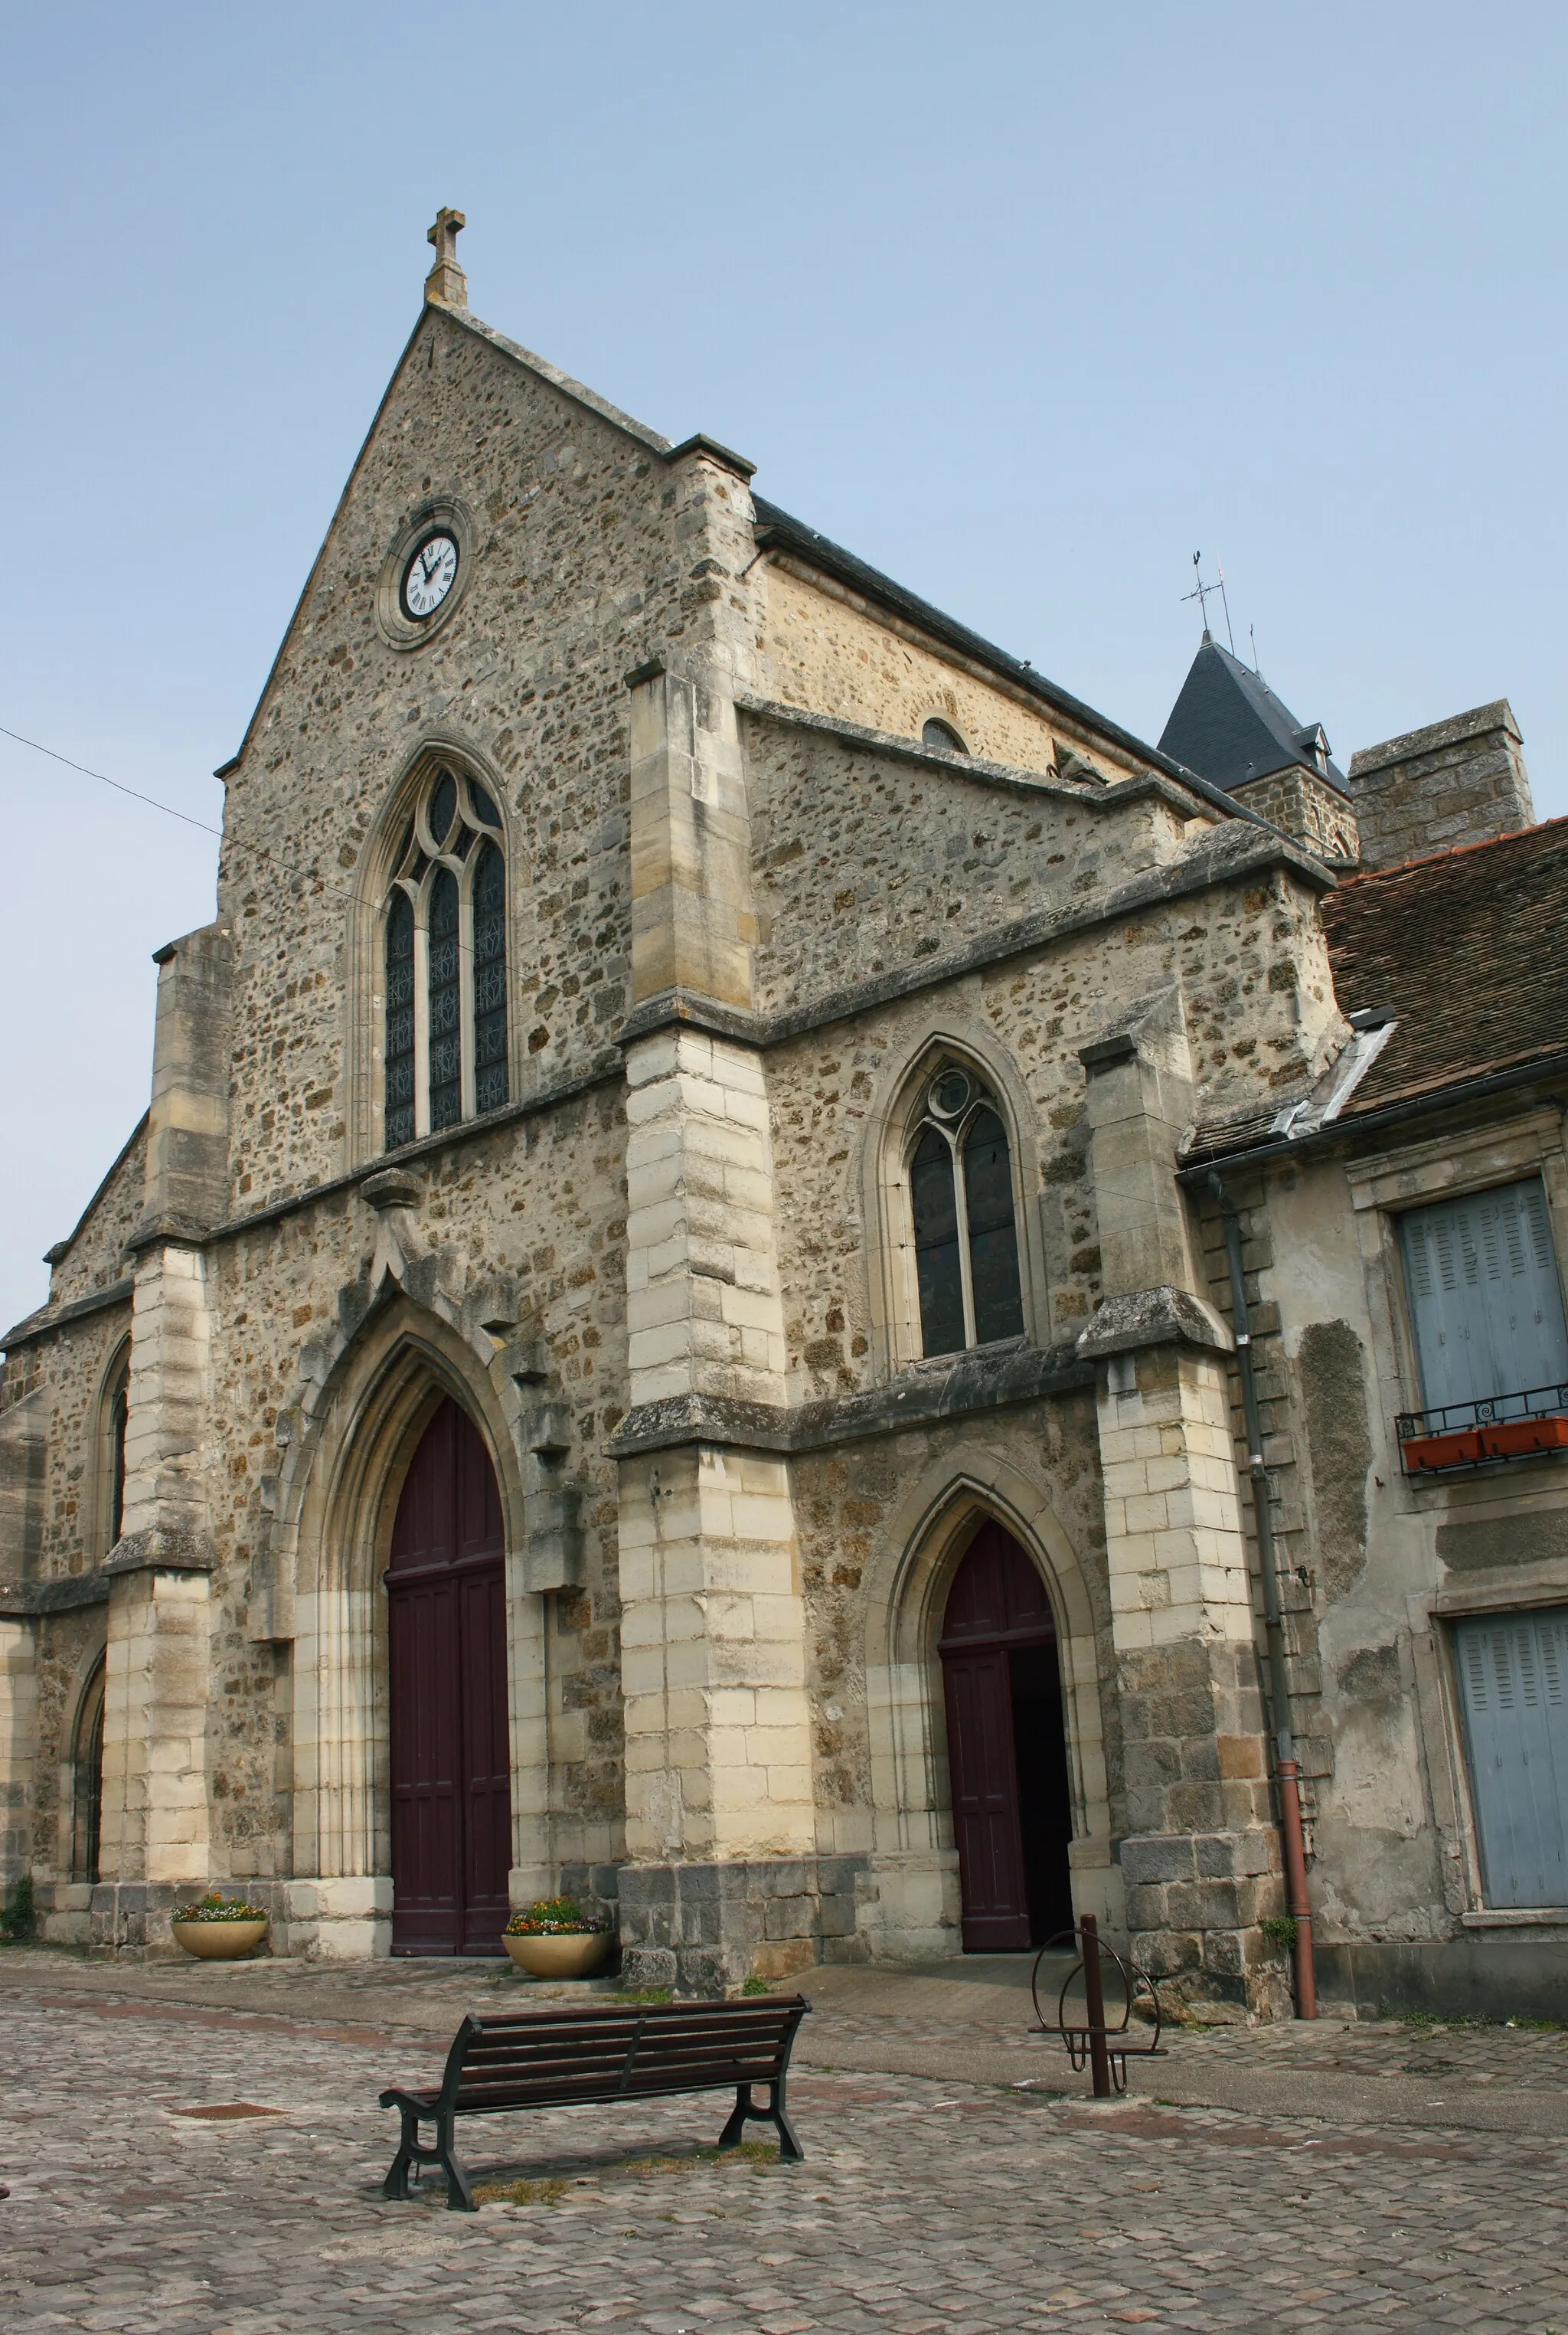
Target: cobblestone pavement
x=923 y=2205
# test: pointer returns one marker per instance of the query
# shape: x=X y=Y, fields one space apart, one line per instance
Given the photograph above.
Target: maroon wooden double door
x=452 y=1815
x=1006 y=1749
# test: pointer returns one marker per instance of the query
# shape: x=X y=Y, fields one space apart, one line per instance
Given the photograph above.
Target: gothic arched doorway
x=451 y=1817
x=1006 y=1749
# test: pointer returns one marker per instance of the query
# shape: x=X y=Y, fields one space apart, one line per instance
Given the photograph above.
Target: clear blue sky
x=1025 y=302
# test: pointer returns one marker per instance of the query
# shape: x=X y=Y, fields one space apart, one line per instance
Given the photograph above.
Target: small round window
x=942 y=738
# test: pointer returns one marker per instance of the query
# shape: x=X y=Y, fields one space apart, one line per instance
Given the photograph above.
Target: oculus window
x=960 y=1193
x=446 y=963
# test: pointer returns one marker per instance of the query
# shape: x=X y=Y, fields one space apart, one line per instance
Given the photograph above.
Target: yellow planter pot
x=218 y=1942
x=568 y=1955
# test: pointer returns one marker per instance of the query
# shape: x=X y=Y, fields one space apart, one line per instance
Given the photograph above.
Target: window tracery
x=961 y=1194
x=446 y=963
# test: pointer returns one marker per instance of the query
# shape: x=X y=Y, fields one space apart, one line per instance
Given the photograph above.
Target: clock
x=430 y=575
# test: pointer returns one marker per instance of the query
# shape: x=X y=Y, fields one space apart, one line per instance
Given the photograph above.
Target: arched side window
x=446 y=963
x=87 y=1779
x=960 y=1197
x=116 y=1419
x=942 y=737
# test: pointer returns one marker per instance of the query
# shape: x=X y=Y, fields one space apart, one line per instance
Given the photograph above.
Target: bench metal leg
x=411 y=2151
x=396 y=2185
x=459 y=2196
x=746 y=2111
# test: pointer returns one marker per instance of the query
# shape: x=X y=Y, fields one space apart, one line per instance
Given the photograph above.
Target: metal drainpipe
x=1287 y=1770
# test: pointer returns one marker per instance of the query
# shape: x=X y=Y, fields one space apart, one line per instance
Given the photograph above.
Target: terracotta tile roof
x=1470 y=952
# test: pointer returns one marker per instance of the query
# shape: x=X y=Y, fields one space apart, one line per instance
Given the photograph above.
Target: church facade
x=666 y=1333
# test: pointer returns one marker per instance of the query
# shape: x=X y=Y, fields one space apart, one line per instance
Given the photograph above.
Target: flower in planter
x=216 y=1908
x=555 y=1917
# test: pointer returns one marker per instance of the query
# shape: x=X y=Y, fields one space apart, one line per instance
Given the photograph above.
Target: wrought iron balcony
x=1501 y=1427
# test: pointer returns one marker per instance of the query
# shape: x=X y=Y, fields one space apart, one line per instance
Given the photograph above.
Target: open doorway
x=1006 y=1749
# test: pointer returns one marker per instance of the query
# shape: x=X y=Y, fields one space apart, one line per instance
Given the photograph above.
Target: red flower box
x=1512 y=1437
x=1460 y=1449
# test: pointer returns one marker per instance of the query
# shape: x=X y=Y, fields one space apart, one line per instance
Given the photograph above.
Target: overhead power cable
x=253 y=850
x=134 y=792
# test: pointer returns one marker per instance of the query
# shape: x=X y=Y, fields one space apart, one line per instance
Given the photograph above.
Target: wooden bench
x=599 y=2055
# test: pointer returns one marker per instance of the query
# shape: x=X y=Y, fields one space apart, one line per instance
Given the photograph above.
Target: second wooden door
x=450 y=1742
x=1006 y=1749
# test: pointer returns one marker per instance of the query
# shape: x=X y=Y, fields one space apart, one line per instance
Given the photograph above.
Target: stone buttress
x=719 y=1800
x=155 y=1845
x=1200 y=1858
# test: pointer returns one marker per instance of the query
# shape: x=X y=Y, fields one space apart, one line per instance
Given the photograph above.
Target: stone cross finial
x=446 y=282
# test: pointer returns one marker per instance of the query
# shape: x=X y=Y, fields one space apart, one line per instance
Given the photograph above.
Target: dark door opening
x=1007 y=1748
x=452 y=1815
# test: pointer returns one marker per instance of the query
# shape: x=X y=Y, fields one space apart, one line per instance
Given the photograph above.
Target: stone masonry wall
x=583 y=547
x=822 y=652
x=96 y=1255
x=1460 y=781
x=866 y=864
x=1309 y=809
x=1237 y=959
x=68 y=1368
x=848 y=1504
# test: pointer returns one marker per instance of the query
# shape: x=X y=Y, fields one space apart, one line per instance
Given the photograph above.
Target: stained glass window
x=446 y=963
x=993 y=1234
x=489 y=979
x=400 y=1020
x=966 y=1230
x=446 y=1003
x=119 y=1421
x=936 y=1262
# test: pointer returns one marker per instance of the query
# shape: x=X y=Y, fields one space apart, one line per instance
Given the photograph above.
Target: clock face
x=430 y=575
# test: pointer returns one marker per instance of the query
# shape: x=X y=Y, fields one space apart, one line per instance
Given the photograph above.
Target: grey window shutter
x=1486 y=1301
x=1514 y=1686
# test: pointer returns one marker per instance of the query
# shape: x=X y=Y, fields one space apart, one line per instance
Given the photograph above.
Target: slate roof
x=778 y=531
x=1469 y=951
x=1228 y=725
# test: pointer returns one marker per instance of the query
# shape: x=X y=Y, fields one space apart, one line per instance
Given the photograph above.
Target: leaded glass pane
x=483 y=807
x=399 y=1021
x=993 y=1234
x=118 y=1420
x=443 y=805
x=489 y=978
x=936 y=1263
x=446 y=1034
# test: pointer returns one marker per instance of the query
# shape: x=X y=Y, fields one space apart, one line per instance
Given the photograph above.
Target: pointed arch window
x=960 y=1193
x=116 y=1421
x=446 y=963
x=87 y=1779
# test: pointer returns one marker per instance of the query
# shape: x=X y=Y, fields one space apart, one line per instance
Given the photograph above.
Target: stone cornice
x=989 y=1379
x=164 y=1549
x=1153 y=1317
x=26 y=1599
x=44 y=1323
